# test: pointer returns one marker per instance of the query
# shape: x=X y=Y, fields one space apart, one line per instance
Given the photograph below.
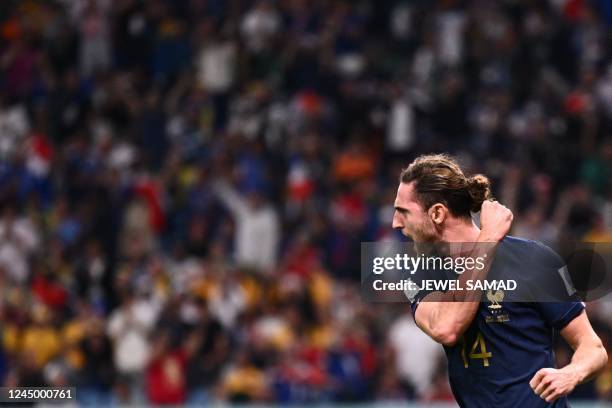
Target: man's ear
x=437 y=213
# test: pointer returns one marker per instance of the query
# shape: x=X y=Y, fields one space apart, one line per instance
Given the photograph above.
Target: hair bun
x=479 y=188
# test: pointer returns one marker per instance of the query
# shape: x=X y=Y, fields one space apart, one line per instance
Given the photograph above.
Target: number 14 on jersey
x=477 y=351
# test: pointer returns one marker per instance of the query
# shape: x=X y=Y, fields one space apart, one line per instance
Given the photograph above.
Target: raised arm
x=231 y=198
x=589 y=358
x=446 y=316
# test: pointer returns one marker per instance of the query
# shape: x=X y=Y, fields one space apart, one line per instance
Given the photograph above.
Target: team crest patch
x=498 y=315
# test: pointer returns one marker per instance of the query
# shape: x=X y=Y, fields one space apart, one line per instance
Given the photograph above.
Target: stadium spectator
x=256 y=225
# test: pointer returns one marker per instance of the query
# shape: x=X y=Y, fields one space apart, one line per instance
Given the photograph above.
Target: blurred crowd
x=184 y=185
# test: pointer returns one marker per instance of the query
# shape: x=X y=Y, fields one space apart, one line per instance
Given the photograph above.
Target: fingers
x=550 y=395
x=536 y=379
x=543 y=385
x=495 y=221
x=489 y=203
x=497 y=212
x=540 y=381
x=493 y=205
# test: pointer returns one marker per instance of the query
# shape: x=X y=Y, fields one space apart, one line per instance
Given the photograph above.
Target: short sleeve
x=559 y=314
x=416 y=296
x=549 y=277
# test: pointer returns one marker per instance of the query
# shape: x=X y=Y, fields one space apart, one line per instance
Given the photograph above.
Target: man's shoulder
x=526 y=246
x=519 y=241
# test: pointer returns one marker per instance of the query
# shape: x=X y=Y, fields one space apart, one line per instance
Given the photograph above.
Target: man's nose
x=397 y=224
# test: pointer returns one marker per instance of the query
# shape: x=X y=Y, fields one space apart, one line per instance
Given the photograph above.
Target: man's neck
x=460 y=230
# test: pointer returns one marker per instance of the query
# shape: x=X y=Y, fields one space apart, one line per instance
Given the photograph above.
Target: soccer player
x=492 y=361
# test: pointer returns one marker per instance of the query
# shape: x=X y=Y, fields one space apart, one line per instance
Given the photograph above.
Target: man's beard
x=428 y=242
x=424 y=233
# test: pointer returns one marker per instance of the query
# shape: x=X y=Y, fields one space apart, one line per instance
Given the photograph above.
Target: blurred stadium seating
x=184 y=185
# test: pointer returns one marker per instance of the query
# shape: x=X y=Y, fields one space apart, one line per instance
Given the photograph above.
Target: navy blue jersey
x=508 y=342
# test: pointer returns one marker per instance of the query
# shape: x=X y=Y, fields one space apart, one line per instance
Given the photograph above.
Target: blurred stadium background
x=184 y=185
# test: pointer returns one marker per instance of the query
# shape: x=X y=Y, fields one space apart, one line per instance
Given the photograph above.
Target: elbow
x=445 y=336
x=447 y=331
x=604 y=356
x=602 y=360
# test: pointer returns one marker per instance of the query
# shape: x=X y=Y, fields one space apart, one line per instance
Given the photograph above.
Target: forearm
x=230 y=198
x=447 y=321
x=588 y=359
x=447 y=315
